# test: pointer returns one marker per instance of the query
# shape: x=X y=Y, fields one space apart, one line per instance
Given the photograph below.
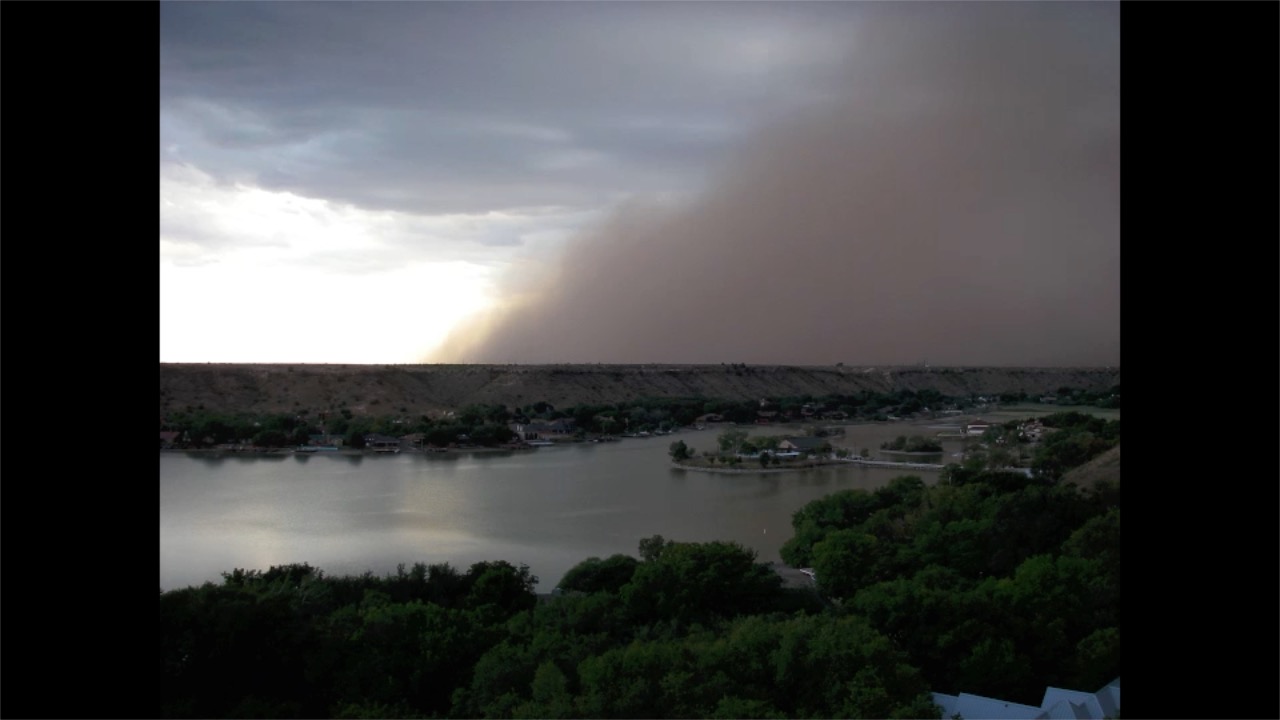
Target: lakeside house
x=560 y=429
x=976 y=427
x=376 y=441
x=802 y=444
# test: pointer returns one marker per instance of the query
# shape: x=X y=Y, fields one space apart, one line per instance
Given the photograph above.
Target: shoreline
x=818 y=465
x=343 y=452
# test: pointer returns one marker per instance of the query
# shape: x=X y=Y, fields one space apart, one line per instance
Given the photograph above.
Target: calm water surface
x=549 y=508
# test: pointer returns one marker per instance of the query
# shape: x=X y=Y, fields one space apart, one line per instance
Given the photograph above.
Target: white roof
x=1059 y=704
x=948 y=704
x=1109 y=698
x=977 y=707
x=1068 y=704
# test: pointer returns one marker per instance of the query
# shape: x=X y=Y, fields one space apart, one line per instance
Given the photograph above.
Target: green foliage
x=731 y=440
x=845 y=560
x=500 y=587
x=596 y=575
x=270 y=439
x=651 y=548
x=696 y=582
x=991 y=582
x=915 y=443
x=679 y=451
x=842 y=510
x=1079 y=441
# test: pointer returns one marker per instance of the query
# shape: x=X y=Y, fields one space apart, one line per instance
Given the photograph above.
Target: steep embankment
x=1104 y=468
x=416 y=389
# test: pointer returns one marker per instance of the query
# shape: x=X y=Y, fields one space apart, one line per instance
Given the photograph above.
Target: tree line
x=488 y=424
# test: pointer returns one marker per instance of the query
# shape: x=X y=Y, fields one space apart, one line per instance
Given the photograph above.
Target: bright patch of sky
x=255 y=275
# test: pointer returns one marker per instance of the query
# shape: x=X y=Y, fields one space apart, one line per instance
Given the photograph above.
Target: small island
x=739 y=452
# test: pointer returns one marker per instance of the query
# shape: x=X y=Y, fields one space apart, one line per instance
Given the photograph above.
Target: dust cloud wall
x=957 y=203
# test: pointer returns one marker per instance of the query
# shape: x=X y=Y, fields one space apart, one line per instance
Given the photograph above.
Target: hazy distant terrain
x=417 y=389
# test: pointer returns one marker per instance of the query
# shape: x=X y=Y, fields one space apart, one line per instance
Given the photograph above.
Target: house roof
x=977 y=707
x=1059 y=704
x=550 y=426
x=1109 y=698
x=807 y=443
x=1072 y=703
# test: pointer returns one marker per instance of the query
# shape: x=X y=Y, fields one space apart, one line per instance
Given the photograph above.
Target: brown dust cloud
x=957 y=203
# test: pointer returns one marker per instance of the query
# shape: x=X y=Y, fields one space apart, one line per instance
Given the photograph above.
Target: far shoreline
x=810 y=465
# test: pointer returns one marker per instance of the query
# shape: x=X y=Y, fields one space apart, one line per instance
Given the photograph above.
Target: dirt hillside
x=417 y=389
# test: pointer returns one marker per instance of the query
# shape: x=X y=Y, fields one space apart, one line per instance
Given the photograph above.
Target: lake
x=549 y=508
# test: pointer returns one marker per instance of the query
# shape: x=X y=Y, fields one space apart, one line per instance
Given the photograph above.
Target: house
x=803 y=444
x=561 y=429
x=1058 y=704
x=1032 y=430
x=976 y=427
x=376 y=441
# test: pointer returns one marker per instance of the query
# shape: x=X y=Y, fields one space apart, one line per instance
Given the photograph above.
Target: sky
x=635 y=182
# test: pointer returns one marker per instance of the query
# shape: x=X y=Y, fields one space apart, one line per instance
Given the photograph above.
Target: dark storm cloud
x=959 y=203
x=465 y=107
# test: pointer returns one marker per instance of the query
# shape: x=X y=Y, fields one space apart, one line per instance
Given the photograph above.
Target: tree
x=502 y=585
x=679 y=451
x=731 y=440
x=595 y=575
x=270 y=438
x=845 y=561
x=696 y=582
x=652 y=547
